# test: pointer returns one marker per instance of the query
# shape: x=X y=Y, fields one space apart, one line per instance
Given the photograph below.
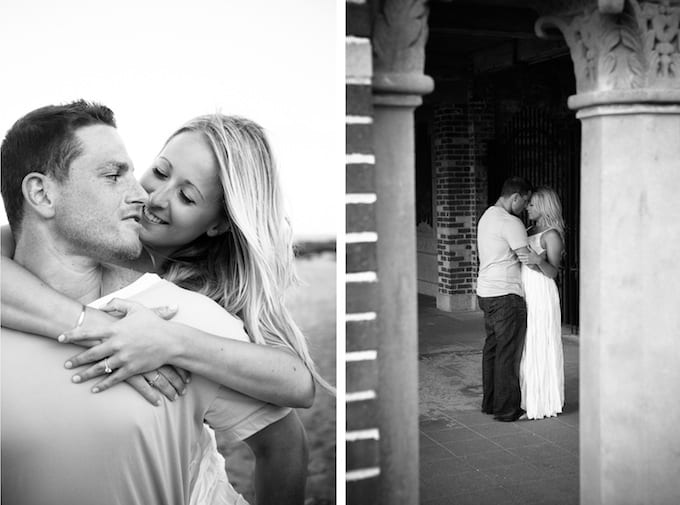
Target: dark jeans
x=505 y=320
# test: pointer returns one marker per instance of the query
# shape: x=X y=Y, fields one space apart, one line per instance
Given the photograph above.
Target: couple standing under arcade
x=522 y=359
x=207 y=217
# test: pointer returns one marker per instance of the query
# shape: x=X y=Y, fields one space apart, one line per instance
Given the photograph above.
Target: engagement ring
x=107 y=368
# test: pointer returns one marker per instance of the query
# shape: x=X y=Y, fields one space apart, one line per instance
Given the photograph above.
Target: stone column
x=399 y=35
x=627 y=64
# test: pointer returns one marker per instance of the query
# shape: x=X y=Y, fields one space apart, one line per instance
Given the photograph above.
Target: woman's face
x=532 y=210
x=185 y=194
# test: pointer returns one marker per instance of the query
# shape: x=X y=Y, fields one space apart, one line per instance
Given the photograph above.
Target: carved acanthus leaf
x=637 y=48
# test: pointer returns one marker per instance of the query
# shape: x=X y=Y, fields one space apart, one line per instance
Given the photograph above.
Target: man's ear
x=38 y=190
x=222 y=226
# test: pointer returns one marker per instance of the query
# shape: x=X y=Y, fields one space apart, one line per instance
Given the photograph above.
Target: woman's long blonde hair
x=247 y=269
x=548 y=204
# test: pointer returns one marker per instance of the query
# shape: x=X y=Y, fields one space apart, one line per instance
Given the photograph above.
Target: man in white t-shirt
x=73 y=203
x=500 y=235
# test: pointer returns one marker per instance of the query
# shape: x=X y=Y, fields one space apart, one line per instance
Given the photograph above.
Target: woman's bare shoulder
x=552 y=239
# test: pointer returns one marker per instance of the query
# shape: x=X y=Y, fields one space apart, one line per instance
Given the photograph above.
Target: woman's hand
x=529 y=258
x=167 y=379
x=136 y=344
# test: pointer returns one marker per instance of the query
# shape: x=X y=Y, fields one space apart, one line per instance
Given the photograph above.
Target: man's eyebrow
x=119 y=165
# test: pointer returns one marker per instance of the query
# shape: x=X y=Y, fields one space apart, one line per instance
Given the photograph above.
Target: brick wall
x=462 y=133
x=483 y=119
x=456 y=204
x=362 y=433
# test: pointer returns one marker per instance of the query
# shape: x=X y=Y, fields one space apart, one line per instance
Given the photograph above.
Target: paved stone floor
x=465 y=456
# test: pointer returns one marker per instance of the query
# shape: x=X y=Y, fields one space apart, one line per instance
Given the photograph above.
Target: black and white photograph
x=172 y=190
x=512 y=241
x=320 y=252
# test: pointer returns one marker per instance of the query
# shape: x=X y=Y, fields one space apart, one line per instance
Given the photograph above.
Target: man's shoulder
x=195 y=309
x=494 y=217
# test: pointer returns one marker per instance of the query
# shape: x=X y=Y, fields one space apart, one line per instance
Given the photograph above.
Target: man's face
x=99 y=204
x=519 y=203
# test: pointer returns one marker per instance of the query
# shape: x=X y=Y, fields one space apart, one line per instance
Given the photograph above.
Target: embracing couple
x=203 y=238
x=522 y=359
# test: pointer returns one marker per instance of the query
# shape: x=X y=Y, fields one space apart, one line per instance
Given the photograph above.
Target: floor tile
x=430 y=470
x=518 y=473
x=453 y=434
x=431 y=425
x=491 y=496
x=496 y=429
x=467 y=447
x=510 y=441
x=543 y=451
x=492 y=459
x=434 y=453
x=545 y=492
x=447 y=485
x=471 y=418
x=425 y=441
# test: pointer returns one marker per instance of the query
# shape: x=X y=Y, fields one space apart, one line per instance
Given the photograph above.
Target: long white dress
x=541 y=371
x=212 y=486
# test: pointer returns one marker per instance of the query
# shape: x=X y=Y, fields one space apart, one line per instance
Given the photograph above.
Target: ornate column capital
x=399 y=35
x=624 y=51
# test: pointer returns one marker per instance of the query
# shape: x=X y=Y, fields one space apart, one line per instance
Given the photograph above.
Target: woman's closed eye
x=159 y=173
x=186 y=198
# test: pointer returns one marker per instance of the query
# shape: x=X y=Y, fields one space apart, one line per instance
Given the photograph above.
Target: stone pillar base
x=457 y=303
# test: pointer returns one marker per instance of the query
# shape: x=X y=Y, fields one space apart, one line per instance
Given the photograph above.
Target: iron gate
x=544 y=146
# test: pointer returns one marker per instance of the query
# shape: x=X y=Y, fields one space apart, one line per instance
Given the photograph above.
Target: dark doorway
x=539 y=139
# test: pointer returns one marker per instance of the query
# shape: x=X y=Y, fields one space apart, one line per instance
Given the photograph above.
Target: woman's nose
x=158 y=198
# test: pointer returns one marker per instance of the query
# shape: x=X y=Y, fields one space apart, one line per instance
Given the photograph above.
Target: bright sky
x=159 y=63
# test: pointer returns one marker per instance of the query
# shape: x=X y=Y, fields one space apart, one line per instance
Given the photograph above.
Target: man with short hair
x=73 y=204
x=500 y=236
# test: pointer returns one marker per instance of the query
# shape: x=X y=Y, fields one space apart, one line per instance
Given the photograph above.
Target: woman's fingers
x=166 y=311
x=143 y=388
x=90 y=373
x=80 y=334
x=91 y=355
x=174 y=378
x=110 y=380
x=158 y=380
x=184 y=374
x=121 y=306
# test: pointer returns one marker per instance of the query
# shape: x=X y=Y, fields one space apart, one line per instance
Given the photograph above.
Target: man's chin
x=123 y=251
x=130 y=253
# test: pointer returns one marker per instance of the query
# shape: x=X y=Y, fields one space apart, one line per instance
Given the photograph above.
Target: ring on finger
x=153 y=381
x=107 y=368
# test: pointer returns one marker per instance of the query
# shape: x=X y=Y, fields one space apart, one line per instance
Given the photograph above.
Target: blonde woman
x=213 y=224
x=542 y=363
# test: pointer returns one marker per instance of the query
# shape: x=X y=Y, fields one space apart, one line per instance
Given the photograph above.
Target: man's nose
x=136 y=194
